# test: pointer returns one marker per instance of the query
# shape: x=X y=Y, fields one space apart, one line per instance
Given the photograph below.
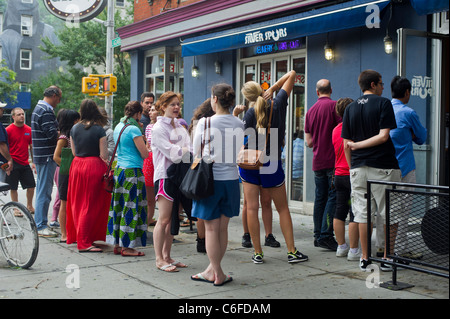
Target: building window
x=25 y=87
x=163 y=72
x=26 y=25
x=25 y=59
x=120 y=3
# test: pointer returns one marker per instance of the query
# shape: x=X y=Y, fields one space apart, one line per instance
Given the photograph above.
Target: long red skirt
x=87 y=202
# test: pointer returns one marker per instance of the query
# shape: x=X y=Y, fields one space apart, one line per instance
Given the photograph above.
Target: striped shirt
x=44 y=132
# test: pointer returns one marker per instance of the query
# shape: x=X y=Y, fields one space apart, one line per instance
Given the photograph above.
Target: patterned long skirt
x=127 y=225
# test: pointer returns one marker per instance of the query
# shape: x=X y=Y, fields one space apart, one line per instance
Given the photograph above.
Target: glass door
x=262 y=71
x=297 y=118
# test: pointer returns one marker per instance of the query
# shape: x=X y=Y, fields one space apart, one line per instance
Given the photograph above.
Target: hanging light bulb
x=387 y=39
x=329 y=54
x=387 y=44
x=195 y=71
x=328 y=50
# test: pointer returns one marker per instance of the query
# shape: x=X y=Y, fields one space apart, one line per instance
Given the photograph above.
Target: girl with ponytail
x=270 y=176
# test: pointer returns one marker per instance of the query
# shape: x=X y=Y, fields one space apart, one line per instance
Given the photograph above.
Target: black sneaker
x=363 y=264
x=258 y=258
x=296 y=257
x=201 y=247
x=271 y=241
x=246 y=241
x=328 y=243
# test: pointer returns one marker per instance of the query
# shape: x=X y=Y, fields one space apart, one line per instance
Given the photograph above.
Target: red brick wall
x=142 y=10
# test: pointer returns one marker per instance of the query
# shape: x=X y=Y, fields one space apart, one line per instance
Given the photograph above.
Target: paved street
x=61 y=272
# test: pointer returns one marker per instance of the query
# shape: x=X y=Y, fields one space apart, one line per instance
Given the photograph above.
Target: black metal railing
x=417 y=228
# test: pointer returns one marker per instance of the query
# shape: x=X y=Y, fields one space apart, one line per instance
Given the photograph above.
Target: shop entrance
x=266 y=71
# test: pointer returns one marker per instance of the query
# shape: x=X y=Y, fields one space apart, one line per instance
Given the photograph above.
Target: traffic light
x=109 y=84
x=90 y=85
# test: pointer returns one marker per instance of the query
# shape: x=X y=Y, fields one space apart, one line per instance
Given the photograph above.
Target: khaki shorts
x=358 y=178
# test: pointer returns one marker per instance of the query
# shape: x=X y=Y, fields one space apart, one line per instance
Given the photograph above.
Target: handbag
x=108 y=177
x=66 y=160
x=198 y=182
x=253 y=159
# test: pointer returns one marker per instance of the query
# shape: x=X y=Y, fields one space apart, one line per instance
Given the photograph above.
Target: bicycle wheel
x=19 y=239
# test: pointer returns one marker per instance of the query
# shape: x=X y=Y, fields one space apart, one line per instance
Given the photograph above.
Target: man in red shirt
x=19 y=139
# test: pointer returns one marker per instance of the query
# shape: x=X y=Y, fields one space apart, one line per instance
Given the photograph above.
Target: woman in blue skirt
x=227 y=135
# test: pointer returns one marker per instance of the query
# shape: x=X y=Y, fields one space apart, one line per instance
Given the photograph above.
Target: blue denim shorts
x=257 y=177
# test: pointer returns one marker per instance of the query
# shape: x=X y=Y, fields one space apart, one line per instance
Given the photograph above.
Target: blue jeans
x=324 y=204
x=44 y=188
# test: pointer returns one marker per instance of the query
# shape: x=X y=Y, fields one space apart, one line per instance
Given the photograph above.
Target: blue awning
x=424 y=7
x=342 y=16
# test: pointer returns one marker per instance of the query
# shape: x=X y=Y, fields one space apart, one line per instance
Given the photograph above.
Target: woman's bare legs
x=162 y=238
x=216 y=246
x=251 y=194
x=278 y=195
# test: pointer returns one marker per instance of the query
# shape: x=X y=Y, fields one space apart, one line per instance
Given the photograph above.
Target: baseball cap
x=2 y=104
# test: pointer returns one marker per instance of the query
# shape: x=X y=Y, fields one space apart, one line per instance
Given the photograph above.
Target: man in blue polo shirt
x=44 y=133
x=409 y=129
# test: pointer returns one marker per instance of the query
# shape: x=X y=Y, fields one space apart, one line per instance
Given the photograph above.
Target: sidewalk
x=60 y=272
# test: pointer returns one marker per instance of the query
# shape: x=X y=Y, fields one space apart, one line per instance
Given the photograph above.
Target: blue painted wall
x=197 y=90
x=360 y=49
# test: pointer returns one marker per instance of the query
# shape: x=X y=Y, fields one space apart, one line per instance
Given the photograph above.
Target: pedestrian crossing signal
x=110 y=84
x=90 y=85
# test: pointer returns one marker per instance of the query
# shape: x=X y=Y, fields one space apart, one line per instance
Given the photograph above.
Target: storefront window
x=163 y=72
x=250 y=72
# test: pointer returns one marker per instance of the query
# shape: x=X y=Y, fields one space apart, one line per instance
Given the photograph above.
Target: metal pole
x=109 y=53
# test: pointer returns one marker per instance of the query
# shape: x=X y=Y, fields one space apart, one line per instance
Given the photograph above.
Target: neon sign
x=275 y=47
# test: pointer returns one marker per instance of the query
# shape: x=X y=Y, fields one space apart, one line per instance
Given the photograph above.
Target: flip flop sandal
x=199 y=277
x=91 y=249
x=179 y=264
x=17 y=213
x=133 y=254
x=227 y=280
x=166 y=268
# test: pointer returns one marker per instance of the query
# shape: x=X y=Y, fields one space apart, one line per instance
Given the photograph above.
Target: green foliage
x=8 y=84
x=83 y=47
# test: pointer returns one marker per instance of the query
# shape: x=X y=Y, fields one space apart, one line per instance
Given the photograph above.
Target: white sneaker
x=342 y=252
x=353 y=256
x=47 y=233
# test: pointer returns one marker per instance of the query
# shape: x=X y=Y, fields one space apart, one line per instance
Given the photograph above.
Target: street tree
x=82 y=48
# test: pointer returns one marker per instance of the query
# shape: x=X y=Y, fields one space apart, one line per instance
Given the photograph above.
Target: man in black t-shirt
x=370 y=152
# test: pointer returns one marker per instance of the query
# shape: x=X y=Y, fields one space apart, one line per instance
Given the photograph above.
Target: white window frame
x=22 y=59
x=25 y=29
